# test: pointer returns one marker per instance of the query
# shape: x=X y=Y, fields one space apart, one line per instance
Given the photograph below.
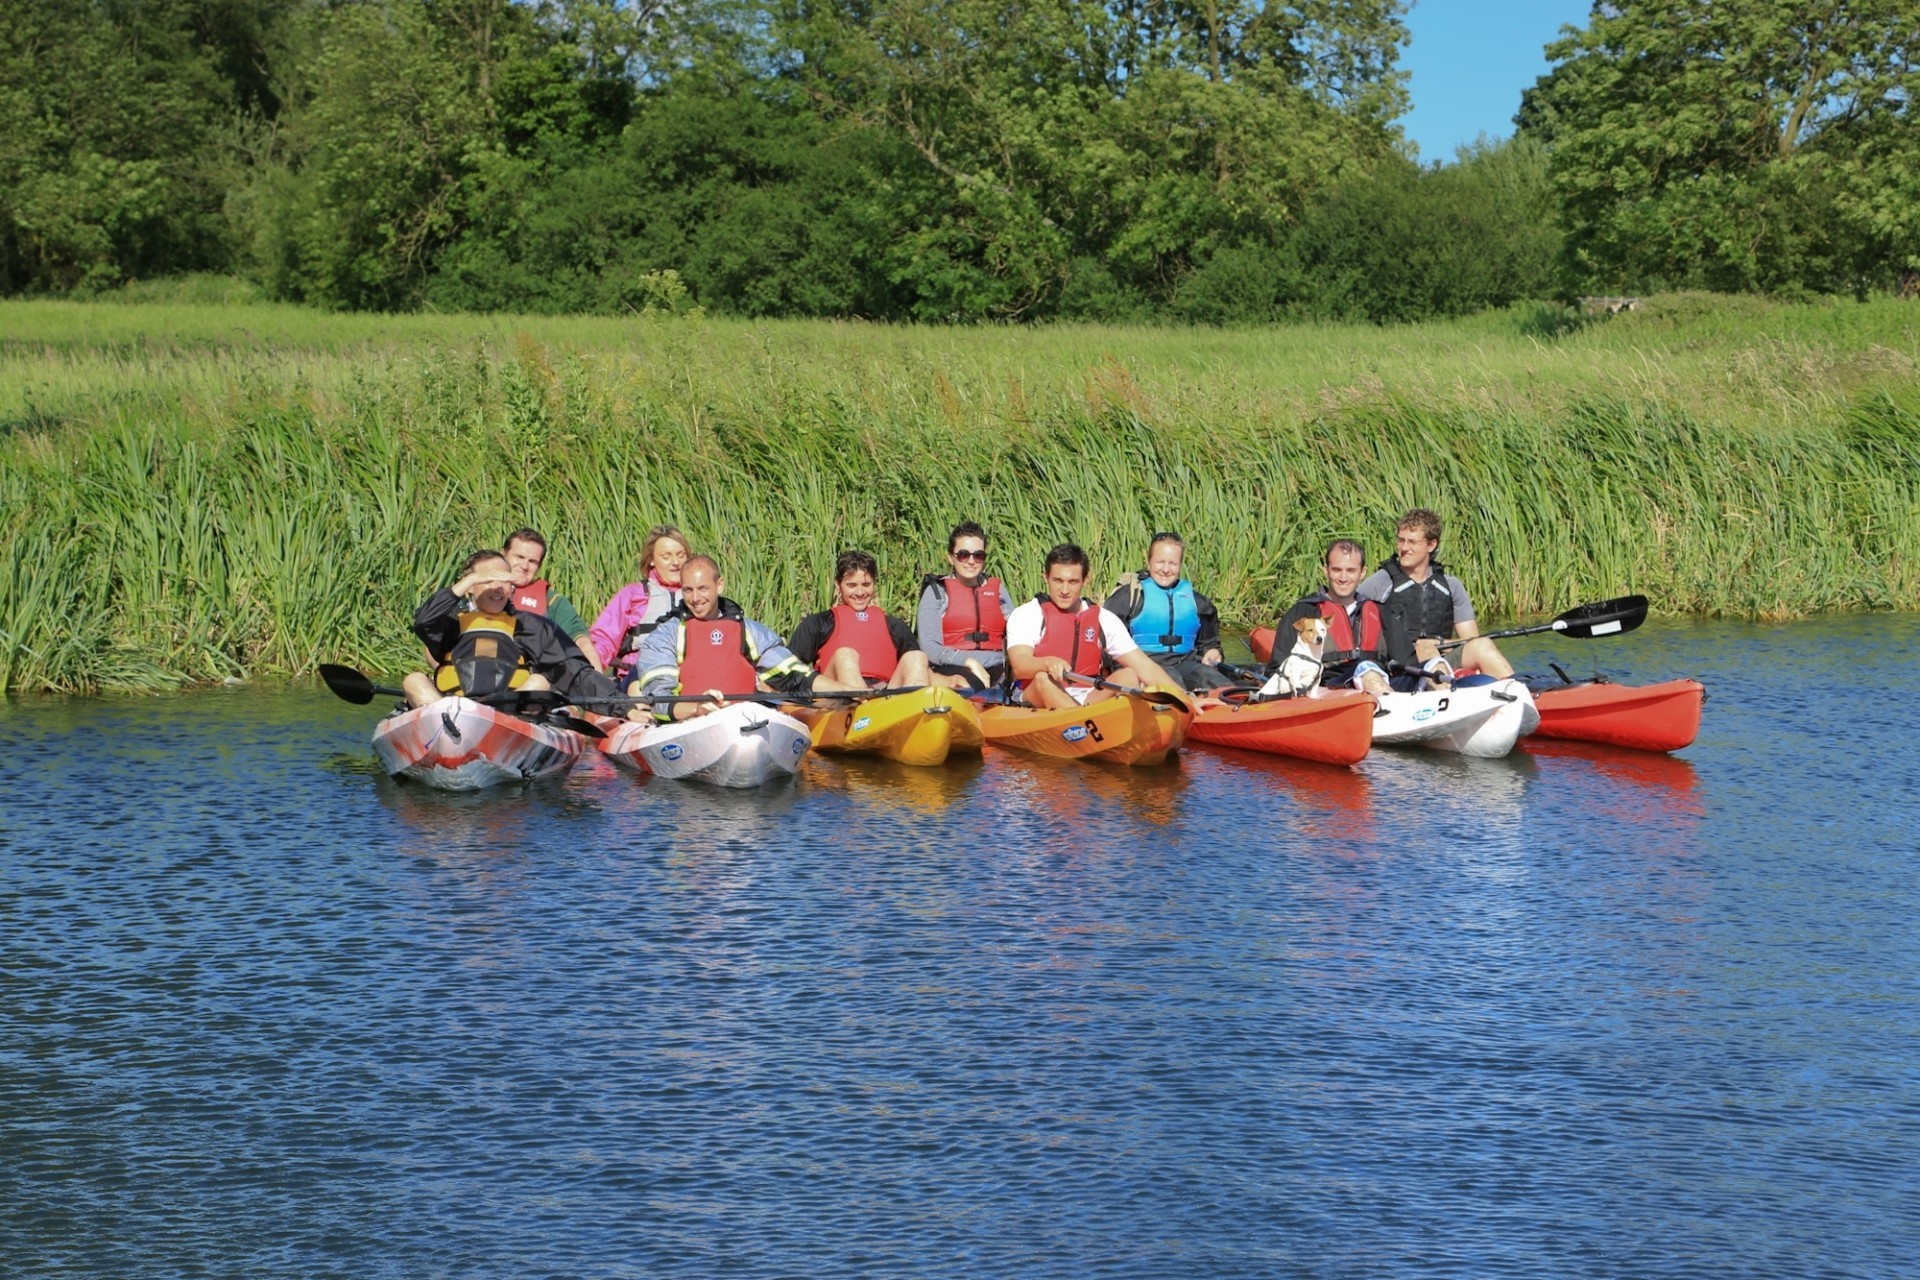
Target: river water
x=265 y=1013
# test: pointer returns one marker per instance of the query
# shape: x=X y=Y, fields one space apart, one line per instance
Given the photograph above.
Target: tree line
x=1208 y=161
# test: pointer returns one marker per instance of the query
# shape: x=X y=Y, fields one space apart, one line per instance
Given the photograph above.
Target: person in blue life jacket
x=1176 y=625
x=1431 y=604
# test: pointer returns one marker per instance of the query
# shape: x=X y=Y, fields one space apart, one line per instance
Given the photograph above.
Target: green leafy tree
x=1742 y=144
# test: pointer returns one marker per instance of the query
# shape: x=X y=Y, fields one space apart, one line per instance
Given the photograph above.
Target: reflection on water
x=1576 y=1013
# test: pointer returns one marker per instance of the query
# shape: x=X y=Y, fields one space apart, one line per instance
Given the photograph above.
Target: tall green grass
x=196 y=493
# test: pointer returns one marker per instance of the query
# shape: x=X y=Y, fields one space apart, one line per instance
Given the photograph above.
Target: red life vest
x=531 y=598
x=1076 y=637
x=865 y=633
x=713 y=655
x=1340 y=645
x=973 y=620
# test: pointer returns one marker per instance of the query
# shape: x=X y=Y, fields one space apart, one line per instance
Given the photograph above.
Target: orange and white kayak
x=1333 y=729
x=1128 y=729
x=1652 y=717
x=622 y=743
x=457 y=744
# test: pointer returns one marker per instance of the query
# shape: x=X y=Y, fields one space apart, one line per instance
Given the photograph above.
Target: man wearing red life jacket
x=962 y=618
x=526 y=552
x=856 y=643
x=1363 y=640
x=708 y=645
x=1059 y=635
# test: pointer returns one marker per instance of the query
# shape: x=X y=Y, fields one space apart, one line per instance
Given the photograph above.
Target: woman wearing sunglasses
x=962 y=618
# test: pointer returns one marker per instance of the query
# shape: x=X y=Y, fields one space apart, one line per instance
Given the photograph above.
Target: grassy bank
x=196 y=492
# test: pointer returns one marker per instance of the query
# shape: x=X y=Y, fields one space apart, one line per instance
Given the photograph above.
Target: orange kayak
x=1128 y=729
x=1336 y=729
x=1649 y=717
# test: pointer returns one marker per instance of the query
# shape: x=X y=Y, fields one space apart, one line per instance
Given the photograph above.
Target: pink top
x=633 y=604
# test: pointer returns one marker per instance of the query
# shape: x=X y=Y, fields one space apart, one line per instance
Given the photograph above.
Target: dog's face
x=1313 y=633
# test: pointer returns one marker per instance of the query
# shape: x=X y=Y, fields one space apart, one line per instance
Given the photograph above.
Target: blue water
x=265 y=1013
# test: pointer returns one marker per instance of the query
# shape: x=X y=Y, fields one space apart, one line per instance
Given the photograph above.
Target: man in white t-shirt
x=1061 y=635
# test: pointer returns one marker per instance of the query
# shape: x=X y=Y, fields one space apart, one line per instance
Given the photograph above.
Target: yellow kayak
x=919 y=728
x=1129 y=729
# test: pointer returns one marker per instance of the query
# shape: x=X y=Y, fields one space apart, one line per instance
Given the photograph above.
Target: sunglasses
x=969 y=555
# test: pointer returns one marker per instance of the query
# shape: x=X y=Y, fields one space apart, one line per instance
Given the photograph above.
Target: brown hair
x=1421 y=521
x=485 y=553
x=1344 y=544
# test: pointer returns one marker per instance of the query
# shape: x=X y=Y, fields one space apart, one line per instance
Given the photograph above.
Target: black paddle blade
x=585 y=728
x=1607 y=618
x=347 y=684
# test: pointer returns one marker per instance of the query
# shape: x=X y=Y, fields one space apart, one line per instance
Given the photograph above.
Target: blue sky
x=1470 y=60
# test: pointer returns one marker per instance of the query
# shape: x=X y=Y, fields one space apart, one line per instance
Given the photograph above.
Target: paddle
x=1151 y=695
x=1585 y=622
x=352 y=686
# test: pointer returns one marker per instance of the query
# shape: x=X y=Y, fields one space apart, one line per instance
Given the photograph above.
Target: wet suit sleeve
x=904 y=641
x=437 y=623
x=778 y=665
x=553 y=654
x=1209 y=633
x=1121 y=604
x=927 y=619
x=809 y=636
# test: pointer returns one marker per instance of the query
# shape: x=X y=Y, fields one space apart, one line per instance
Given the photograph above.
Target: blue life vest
x=1168 y=620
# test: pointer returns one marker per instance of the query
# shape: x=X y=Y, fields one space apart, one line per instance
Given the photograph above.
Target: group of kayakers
x=674 y=632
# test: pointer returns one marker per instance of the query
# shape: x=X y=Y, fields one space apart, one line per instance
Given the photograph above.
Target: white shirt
x=1023 y=627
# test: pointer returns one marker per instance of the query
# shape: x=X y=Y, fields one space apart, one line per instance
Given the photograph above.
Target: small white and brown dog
x=1299 y=675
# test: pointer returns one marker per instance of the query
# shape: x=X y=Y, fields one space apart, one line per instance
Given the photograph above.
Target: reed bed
x=201 y=493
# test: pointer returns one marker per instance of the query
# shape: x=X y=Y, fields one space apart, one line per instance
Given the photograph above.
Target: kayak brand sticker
x=862 y=723
x=1424 y=713
x=671 y=751
x=1073 y=733
x=799 y=745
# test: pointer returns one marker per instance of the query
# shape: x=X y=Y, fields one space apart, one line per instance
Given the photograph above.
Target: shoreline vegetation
x=198 y=492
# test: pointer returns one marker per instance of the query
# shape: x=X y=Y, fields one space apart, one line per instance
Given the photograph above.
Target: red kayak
x=1649 y=717
x=1334 y=729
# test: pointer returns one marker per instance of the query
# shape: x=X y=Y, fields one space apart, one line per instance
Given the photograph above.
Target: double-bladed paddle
x=1585 y=622
x=353 y=686
x=1162 y=696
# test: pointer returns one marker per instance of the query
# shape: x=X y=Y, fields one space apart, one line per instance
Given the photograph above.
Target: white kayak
x=1477 y=717
x=741 y=745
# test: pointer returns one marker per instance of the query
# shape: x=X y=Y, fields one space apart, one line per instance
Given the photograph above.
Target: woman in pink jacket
x=638 y=607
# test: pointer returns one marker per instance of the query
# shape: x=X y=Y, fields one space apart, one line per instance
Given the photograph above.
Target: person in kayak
x=1431 y=604
x=962 y=618
x=1177 y=626
x=483 y=645
x=637 y=608
x=1364 y=642
x=856 y=643
x=526 y=552
x=706 y=644
x=1059 y=634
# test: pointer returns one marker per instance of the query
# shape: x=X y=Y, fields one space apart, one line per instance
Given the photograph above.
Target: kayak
x=456 y=744
x=1260 y=641
x=622 y=743
x=1479 y=716
x=1335 y=729
x=743 y=744
x=919 y=728
x=1128 y=729
x=1652 y=717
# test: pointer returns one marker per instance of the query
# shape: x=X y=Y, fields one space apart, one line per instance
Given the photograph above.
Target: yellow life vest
x=487 y=658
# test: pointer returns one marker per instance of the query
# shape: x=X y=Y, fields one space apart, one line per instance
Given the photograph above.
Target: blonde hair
x=654 y=535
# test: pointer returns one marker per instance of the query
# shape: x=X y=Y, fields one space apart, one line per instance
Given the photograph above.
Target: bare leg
x=911 y=672
x=1485 y=654
x=420 y=690
x=841 y=674
x=1043 y=692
